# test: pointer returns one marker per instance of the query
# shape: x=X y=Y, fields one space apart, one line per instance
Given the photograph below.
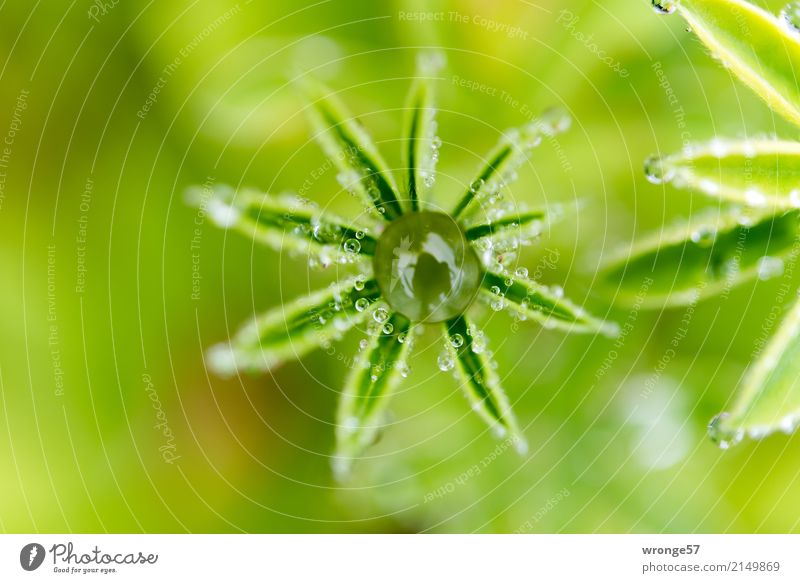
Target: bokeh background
x=113 y=109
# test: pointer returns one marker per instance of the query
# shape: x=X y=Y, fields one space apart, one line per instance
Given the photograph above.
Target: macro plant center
x=425 y=267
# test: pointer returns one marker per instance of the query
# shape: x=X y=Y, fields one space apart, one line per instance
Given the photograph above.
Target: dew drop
x=359 y=283
x=445 y=361
x=401 y=338
x=521 y=272
x=363 y=344
x=380 y=315
x=656 y=172
x=476 y=185
x=351 y=246
x=403 y=369
x=769 y=267
x=457 y=340
x=555 y=121
x=723 y=437
x=360 y=234
x=362 y=304
x=704 y=236
x=665 y=6
x=388 y=328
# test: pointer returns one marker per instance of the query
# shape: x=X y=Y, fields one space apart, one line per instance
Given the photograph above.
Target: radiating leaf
x=288 y=332
x=362 y=169
x=282 y=222
x=466 y=351
x=522 y=221
x=757 y=173
x=510 y=153
x=754 y=44
x=705 y=256
x=769 y=399
x=544 y=304
x=379 y=368
x=421 y=150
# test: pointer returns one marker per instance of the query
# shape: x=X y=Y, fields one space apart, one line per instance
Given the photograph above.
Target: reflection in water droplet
x=656 y=172
x=722 y=436
x=380 y=315
x=362 y=304
x=352 y=246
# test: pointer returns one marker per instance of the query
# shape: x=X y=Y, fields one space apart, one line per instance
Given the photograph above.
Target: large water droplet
x=362 y=304
x=457 y=340
x=722 y=436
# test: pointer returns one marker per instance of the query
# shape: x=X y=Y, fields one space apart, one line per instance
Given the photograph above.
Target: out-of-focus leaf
x=290 y=331
x=379 y=368
x=752 y=172
x=282 y=222
x=421 y=150
x=510 y=153
x=362 y=169
x=754 y=44
x=544 y=304
x=466 y=351
x=693 y=260
x=769 y=399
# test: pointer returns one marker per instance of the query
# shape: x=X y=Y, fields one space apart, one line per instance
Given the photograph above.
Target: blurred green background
x=113 y=109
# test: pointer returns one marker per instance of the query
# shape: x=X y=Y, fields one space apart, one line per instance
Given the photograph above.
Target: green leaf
x=544 y=304
x=421 y=150
x=756 y=173
x=362 y=169
x=769 y=399
x=282 y=222
x=290 y=331
x=755 y=45
x=369 y=387
x=705 y=256
x=465 y=350
x=519 y=222
x=510 y=153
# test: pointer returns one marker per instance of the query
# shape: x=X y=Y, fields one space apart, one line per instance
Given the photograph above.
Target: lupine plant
x=755 y=235
x=413 y=263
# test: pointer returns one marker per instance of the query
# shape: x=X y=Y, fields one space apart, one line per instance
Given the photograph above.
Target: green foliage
x=465 y=349
x=362 y=169
x=704 y=258
x=428 y=266
x=757 y=173
x=368 y=389
x=289 y=331
x=769 y=398
x=710 y=253
x=756 y=46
